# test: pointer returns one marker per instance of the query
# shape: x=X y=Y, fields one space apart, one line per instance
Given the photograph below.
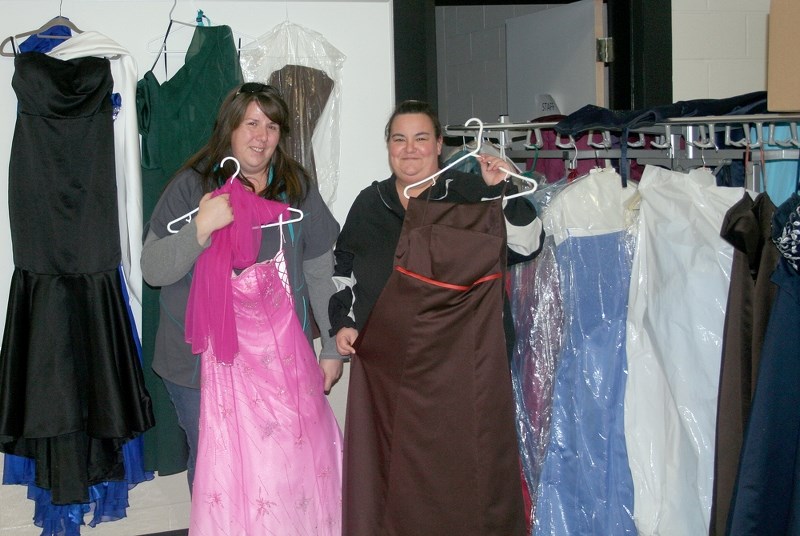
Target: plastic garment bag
x=585 y=485
x=538 y=323
x=307 y=70
x=678 y=295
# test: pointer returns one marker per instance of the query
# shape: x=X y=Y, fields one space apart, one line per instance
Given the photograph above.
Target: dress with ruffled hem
x=71 y=386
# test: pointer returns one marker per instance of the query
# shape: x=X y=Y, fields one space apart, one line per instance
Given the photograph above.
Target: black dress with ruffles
x=71 y=387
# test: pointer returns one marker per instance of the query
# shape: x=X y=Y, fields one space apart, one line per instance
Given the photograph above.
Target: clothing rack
x=677 y=143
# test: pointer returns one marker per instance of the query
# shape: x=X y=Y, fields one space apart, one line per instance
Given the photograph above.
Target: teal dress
x=175 y=120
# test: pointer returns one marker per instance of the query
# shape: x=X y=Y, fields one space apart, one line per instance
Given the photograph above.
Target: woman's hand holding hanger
x=215 y=213
x=490 y=169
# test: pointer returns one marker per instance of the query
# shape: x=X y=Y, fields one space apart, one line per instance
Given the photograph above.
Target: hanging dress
x=766 y=498
x=306 y=91
x=309 y=54
x=269 y=457
x=127 y=162
x=585 y=485
x=676 y=314
x=430 y=445
x=747 y=227
x=71 y=386
x=537 y=311
x=175 y=119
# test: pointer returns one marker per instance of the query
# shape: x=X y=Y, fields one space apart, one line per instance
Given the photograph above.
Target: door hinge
x=605 y=49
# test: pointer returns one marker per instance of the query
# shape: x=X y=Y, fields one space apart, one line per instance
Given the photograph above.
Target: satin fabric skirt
x=72 y=391
x=270 y=451
x=430 y=445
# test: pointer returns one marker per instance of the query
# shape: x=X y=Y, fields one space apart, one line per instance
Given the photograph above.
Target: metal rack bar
x=680 y=143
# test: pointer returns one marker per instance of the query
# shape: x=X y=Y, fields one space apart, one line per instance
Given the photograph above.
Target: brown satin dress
x=430 y=444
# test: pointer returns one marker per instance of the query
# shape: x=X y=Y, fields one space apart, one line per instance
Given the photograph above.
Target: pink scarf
x=209 y=311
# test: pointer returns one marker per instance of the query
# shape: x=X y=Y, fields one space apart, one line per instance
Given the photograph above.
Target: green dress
x=176 y=119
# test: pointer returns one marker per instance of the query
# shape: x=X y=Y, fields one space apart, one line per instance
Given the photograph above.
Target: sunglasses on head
x=257 y=87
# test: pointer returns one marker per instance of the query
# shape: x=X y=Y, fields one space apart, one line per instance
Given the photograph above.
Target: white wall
x=361 y=30
x=719 y=48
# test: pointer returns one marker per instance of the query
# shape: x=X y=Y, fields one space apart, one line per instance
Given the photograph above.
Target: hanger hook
x=235 y=161
x=573 y=162
x=174 y=4
x=61 y=3
x=472 y=120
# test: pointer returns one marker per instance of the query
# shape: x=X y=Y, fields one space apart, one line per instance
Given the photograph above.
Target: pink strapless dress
x=270 y=449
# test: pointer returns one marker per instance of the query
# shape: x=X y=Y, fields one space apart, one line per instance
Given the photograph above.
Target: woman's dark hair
x=290 y=182
x=414 y=107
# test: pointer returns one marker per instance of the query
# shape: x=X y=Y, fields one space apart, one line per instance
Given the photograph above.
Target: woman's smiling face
x=253 y=143
x=414 y=147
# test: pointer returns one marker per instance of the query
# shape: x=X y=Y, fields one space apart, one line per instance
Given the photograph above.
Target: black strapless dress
x=71 y=387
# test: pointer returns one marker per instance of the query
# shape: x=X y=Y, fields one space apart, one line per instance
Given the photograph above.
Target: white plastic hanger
x=186 y=218
x=532 y=182
x=298 y=216
x=475 y=152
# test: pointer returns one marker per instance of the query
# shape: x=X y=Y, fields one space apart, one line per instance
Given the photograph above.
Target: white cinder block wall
x=719 y=49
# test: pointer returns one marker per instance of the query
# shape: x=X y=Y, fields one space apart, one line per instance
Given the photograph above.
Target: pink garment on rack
x=209 y=311
x=555 y=169
x=269 y=458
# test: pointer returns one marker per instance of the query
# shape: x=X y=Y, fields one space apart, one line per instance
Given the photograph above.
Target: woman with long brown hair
x=268 y=449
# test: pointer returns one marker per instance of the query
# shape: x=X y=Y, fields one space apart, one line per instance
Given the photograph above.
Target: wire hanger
x=59 y=20
x=186 y=218
x=162 y=49
x=158 y=44
x=475 y=152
